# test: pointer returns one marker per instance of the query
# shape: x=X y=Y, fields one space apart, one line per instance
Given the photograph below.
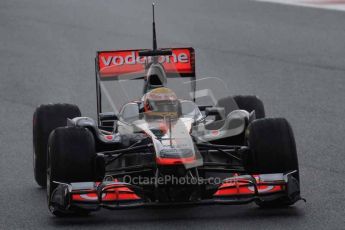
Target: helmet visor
x=164 y=106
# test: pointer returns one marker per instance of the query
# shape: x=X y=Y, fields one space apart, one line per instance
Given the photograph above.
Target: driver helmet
x=161 y=102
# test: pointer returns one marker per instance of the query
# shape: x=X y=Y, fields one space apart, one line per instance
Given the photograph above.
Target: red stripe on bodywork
x=113 y=194
x=175 y=161
x=241 y=187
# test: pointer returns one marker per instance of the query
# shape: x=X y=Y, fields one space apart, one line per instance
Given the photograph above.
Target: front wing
x=118 y=195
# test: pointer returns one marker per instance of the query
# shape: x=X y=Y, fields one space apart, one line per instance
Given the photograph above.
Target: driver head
x=161 y=102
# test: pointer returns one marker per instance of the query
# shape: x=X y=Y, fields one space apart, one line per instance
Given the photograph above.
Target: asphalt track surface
x=292 y=57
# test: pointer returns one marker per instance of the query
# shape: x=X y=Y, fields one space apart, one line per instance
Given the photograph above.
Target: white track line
x=323 y=4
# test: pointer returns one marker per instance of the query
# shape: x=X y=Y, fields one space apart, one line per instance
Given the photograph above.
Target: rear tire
x=250 y=103
x=272 y=150
x=71 y=158
x=46 y=118
x=228 y=103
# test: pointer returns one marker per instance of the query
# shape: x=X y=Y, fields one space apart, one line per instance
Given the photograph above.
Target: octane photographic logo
x=133 y=59
x=171 y=180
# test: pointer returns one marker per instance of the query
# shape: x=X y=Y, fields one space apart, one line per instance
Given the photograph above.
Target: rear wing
x=128 y=64
x=121 y=64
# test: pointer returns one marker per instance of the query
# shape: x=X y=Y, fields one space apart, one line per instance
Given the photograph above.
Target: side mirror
x=218 y=112
x=108 y=116
x=107 y=120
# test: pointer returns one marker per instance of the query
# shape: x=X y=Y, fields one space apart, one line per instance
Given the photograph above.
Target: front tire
x=45 y=119
x=71 y=158
x=272 y=150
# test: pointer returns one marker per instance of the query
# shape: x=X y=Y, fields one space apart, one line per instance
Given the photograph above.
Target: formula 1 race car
x=162 y=148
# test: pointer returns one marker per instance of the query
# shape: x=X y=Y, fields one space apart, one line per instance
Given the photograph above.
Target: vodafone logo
x=133 y=59
x=113 y=64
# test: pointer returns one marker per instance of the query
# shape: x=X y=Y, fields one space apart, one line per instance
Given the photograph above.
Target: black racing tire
x=250 y=103
x=45 y=119
x=272 y=150
x=72 y=155
x=71 y=158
